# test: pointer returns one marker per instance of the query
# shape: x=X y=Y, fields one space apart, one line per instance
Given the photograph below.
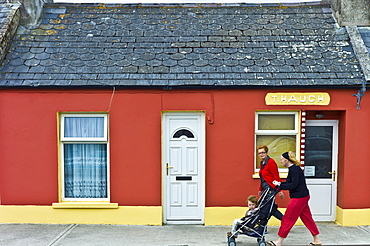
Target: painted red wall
x=355 y=169
x=29 y=145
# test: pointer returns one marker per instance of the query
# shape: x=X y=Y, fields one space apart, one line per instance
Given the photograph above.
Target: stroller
x=255 y=225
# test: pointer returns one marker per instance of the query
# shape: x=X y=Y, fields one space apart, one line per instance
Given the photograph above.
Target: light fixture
x=319 y=115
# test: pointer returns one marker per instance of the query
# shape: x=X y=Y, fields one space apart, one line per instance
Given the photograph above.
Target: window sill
x=85 y=205
x=282 y=175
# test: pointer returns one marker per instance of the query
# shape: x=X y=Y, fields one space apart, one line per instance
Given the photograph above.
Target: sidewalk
x=168 y=235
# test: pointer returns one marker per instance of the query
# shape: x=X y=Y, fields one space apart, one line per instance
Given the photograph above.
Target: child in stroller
x=255 y=224
x=252 y=204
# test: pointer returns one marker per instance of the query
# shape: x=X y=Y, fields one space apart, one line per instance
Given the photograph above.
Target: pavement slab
x=167 y=235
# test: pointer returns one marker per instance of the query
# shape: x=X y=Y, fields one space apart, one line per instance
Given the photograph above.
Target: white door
x=321 y=156
x=183 y=165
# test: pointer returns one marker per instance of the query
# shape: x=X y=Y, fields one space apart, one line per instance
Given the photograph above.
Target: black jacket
x=295 y=183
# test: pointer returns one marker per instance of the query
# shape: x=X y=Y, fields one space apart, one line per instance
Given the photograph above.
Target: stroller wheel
x=231 y=241
x=261 y=242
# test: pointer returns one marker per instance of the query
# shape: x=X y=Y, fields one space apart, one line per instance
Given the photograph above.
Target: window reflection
x=277 y=145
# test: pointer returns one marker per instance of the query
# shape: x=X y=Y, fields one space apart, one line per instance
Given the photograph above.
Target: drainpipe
x=363 y=57
x=360 y=93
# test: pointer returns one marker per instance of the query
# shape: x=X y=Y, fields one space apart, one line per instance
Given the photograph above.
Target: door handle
x=167 y=167
x=333 y=174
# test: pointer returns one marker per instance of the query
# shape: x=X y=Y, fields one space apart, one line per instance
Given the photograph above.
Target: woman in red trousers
x=298 y=205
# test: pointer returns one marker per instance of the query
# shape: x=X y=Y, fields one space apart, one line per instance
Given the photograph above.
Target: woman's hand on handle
x=281 y=195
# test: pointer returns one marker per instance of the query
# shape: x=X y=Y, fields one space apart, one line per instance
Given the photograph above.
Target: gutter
x=363 y=57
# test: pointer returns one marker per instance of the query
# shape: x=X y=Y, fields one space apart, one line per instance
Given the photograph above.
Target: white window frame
x=87 y=115
x=69 y=140
x=294 y=132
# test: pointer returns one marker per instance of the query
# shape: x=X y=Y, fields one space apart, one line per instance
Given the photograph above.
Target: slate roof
x=365 y=33
x=182 y=45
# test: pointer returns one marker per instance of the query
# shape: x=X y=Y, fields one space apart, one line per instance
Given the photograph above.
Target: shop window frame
x=293 y=132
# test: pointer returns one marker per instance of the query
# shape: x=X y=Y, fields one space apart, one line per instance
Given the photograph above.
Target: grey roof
x=365 y=33
x=182 y=45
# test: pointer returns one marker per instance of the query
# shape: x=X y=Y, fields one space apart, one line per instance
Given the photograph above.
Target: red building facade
x=31 y=157
x=151 y=113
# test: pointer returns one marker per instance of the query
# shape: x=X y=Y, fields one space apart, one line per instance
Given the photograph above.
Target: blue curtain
x=85 y=165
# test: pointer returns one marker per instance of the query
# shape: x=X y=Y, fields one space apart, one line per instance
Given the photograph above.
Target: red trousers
x=297 y=207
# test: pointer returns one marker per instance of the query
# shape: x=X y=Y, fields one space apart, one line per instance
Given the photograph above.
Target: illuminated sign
x=298 y=98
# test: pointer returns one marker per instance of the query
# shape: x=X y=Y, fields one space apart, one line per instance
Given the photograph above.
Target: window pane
x=276 y=122
x=277 y=145
x=88 y=127
x=183 y=132
x=319 y=151
x=85 y=170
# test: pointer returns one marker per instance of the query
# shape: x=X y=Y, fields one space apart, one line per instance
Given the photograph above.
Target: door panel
x=325 y=205
x=175 y=160
x=321 y=151
x=192 y=196
x=183 y=167
x=192 y=159
x=176 y=194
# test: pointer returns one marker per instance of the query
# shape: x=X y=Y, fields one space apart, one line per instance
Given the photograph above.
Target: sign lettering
x=298 y=98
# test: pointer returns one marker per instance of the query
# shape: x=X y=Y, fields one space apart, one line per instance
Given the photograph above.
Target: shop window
x=279 y=131
x=84 y=157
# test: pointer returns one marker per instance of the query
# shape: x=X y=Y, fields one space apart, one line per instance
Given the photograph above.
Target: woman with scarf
x=298 y=205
